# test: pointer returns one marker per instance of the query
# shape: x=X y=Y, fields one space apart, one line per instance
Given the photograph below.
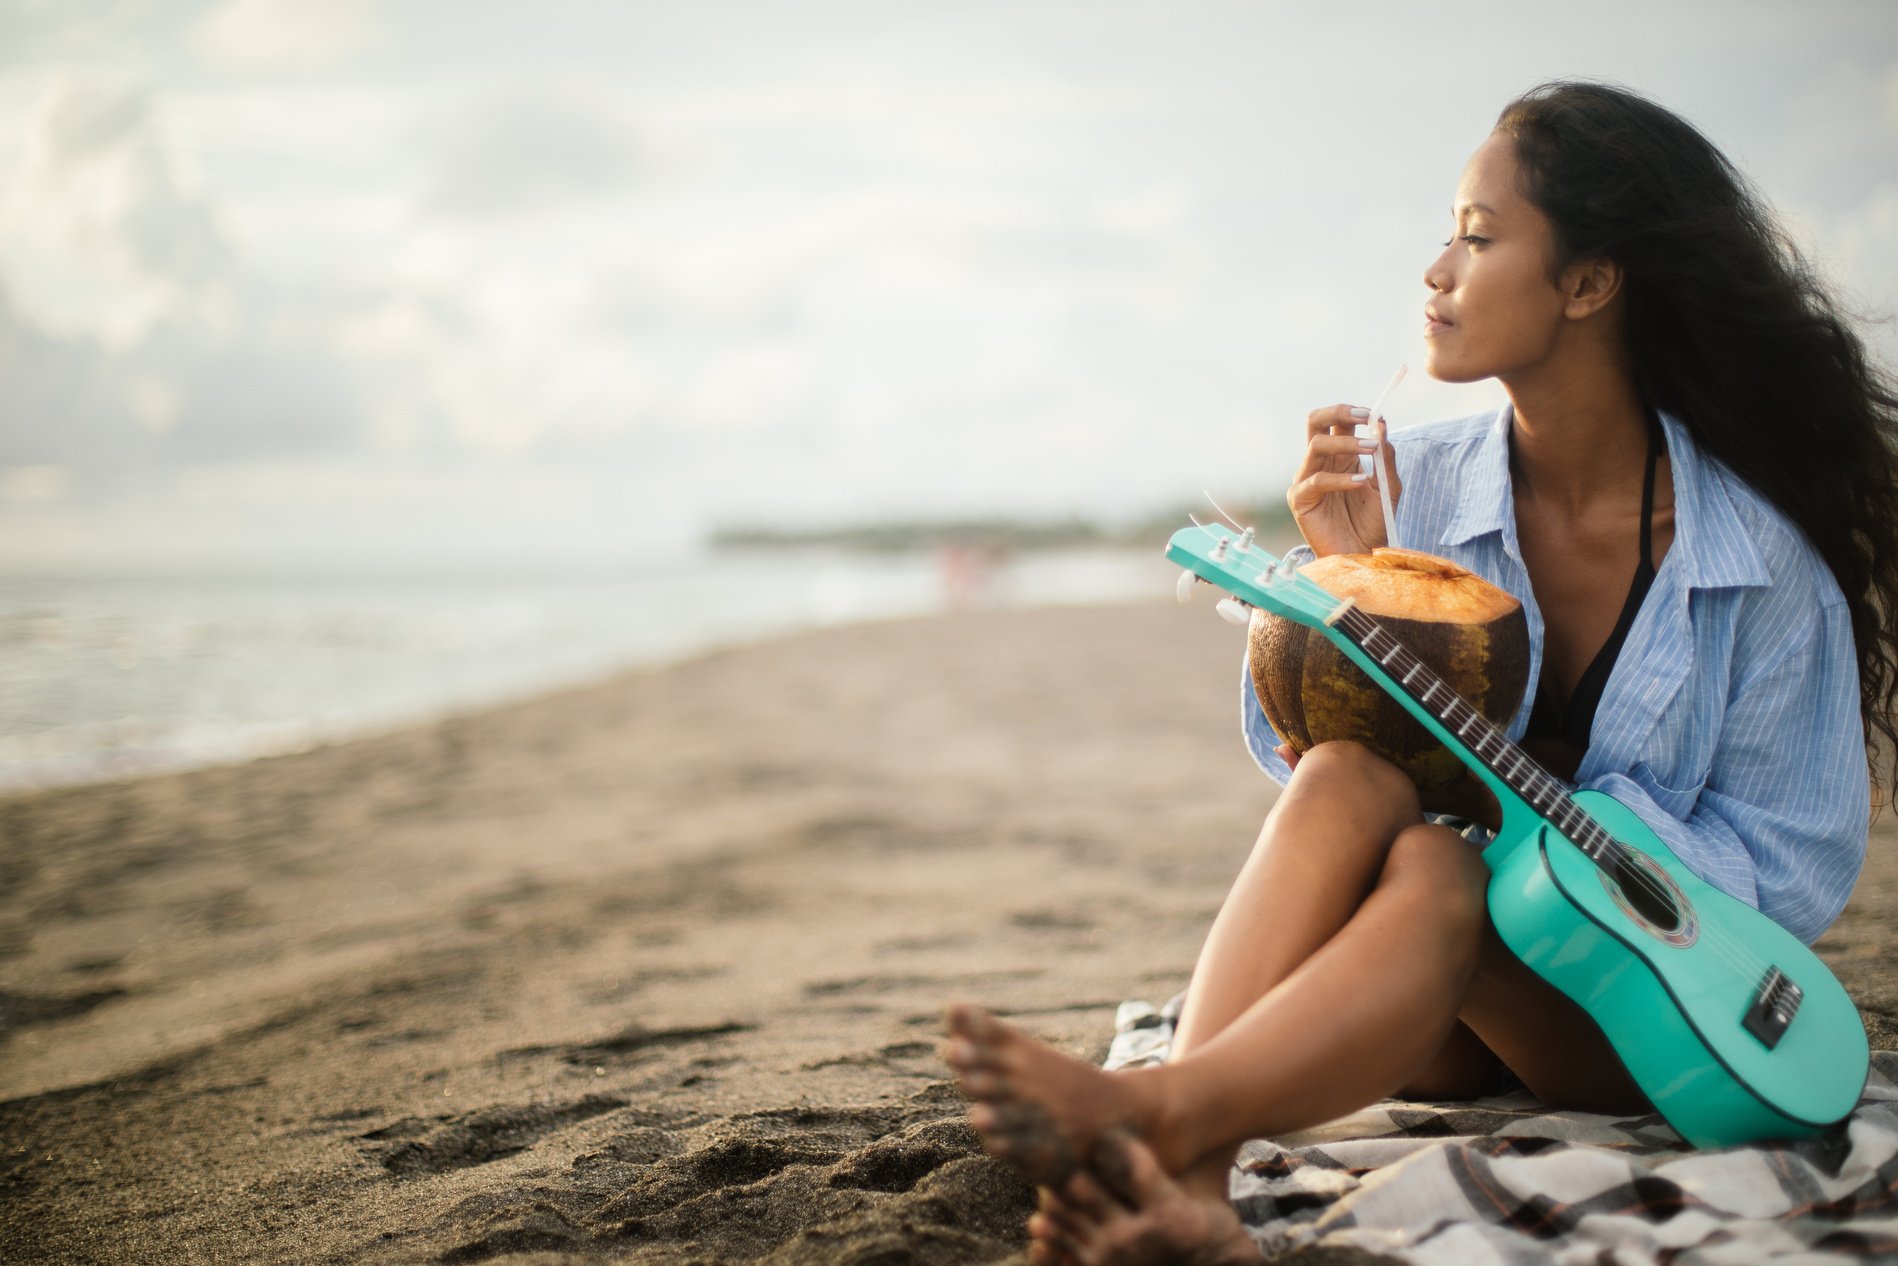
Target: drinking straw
x=1383 y=475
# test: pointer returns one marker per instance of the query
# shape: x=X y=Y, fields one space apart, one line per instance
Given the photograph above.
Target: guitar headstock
x=1255 y=576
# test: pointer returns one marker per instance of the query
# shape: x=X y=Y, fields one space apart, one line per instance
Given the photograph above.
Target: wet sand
x=647 y=972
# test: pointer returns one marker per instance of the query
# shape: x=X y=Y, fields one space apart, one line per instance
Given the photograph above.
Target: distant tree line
x=1272 y=519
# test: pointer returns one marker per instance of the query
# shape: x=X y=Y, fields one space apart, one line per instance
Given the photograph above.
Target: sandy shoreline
x=646 y=972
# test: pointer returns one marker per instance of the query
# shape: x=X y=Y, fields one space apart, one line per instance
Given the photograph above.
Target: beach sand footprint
x=904 y=1181
x=632 y=1044
x=414 y=1147
x=20 y=1010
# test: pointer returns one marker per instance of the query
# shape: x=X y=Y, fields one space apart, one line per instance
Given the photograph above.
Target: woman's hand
x=1335 y=506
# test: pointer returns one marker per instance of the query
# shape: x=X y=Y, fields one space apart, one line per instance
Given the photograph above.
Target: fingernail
x=1360 y=477
x=1368 y=444
x=1360 y=413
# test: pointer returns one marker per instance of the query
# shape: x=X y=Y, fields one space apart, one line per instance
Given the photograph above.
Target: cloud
x=34 y=483
x=821 y=259
x=39 y=31
x=530 y=150
x=99 y=222
x=129 y=331
x=267 y=36
x=58 y=399
x=83 y=121
x=1863 y=257
x=267 y=393
x=272 y=386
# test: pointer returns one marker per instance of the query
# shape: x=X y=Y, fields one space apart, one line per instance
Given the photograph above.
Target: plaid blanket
x=1506 y=1180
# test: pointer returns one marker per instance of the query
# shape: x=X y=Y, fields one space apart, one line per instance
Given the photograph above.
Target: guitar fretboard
x=1540 y=789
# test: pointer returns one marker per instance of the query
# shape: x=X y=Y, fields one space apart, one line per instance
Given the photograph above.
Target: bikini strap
x=1647 y=492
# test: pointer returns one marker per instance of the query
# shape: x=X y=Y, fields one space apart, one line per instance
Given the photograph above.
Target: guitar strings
x=1237 y=526
x=1213 y=532
x=1626 y=871
x=1734 y=952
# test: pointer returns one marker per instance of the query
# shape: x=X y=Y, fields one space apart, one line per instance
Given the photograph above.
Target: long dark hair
x=1731 y=331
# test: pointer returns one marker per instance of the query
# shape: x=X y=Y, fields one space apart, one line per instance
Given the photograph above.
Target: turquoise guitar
x=1735 y=1030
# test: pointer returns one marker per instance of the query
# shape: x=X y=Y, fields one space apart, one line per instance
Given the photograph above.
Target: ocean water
x=105 y=677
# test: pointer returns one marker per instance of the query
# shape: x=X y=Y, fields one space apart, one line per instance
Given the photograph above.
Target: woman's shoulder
x=1788 y=563
x=1762 y=584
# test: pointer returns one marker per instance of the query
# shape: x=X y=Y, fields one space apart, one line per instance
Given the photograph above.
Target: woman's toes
x=1128 y=1168
x=962 y=1055
x=1088 y=1198
x=1054 y=1239
x=1026 y=1137
x=976 y=1041
x=963 y=1019
x=1056 y=1215
x=1042 y=1253
x=975 y=1024
x=986 y=1086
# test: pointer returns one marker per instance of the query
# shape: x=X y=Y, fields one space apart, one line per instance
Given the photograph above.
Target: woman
x=1692 y=491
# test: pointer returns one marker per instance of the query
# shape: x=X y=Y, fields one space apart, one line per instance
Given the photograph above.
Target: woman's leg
x=1348 y=1025
x=1319 y=851
x=1318 y=855
x=1316 y=858
x=1096 y=1220
x=1186 y=1217
x=1545 y=1037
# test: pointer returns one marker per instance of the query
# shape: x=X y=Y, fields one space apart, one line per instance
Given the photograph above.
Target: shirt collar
x=1715 y=547
x=1713 y=539
x=1485 y=504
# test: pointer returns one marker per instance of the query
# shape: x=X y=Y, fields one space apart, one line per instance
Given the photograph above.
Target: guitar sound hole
x=1646 y=895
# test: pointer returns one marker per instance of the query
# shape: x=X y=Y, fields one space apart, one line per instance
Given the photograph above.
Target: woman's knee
x=1445 y=874
x=1358 y=775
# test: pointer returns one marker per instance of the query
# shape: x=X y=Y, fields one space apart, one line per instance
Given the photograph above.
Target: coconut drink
x=1471 y=633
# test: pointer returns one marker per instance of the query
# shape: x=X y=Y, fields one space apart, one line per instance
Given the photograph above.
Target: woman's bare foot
x=1123 y=1210
x=1038 y=1109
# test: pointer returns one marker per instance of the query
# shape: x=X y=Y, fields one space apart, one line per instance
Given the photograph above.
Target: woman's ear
x=1588 y=286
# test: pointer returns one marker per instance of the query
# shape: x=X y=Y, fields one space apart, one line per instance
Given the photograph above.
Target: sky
x=458 y=283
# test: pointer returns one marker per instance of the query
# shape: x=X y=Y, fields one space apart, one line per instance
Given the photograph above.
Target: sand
x=646 y=972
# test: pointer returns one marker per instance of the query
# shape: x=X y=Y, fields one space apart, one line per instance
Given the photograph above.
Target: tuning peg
x=1183 y=588
x=1234 y=611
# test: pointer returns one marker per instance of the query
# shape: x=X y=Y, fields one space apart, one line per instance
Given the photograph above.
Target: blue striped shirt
x=1730 y=723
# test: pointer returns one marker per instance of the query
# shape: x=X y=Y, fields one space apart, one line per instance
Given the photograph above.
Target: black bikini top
x=1558 y=734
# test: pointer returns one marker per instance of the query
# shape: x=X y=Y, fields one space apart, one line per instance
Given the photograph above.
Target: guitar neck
x=1474 y=738
x=1263 y=581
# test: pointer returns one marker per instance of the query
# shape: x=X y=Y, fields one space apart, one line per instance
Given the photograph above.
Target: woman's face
x=1495 y=308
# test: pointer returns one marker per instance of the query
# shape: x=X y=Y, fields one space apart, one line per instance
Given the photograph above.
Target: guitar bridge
x=1774 y=1006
